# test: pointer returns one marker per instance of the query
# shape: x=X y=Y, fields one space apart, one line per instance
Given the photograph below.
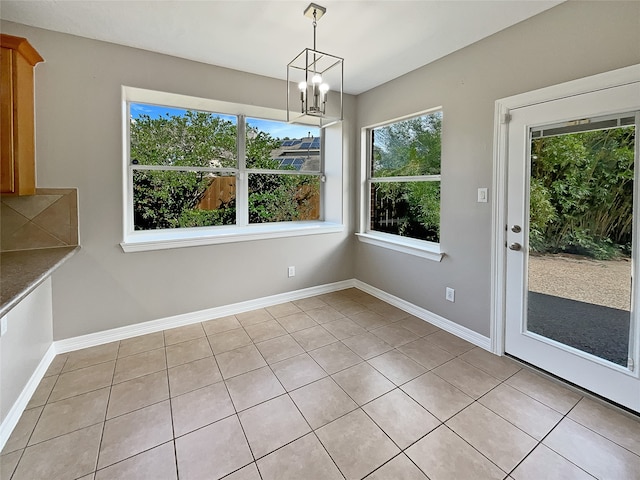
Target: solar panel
x=306 y=145
x=288 y=143
x=286 y=161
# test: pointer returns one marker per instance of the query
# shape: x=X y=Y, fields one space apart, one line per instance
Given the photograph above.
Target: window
x=284 y=173
x=403 y=184
x=184 y=166
x=196 y=175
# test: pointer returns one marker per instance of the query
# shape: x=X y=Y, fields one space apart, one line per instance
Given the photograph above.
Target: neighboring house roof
x=300 y=153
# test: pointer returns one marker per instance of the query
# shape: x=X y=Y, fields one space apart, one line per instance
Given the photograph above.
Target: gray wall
x=572 y=40
x=78 y=132
x=79 y=145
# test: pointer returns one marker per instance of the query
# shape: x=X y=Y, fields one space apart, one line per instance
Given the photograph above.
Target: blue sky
x=276 y=129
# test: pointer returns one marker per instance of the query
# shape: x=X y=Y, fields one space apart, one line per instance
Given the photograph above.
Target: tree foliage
x=408 y=148
x=581 y=193
x=281 y=198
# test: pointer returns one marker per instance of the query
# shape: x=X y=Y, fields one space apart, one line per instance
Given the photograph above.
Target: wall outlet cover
x=450 y=294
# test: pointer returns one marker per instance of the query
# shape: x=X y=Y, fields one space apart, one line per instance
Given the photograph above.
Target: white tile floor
x=331 y=387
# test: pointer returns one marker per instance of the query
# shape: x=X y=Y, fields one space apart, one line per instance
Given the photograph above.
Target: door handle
x=515 y=246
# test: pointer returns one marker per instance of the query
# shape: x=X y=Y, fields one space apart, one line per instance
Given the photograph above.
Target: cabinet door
x=7 y=172
x=17 y=163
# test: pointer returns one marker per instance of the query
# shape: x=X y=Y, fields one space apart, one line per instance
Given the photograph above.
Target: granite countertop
x=22 y=271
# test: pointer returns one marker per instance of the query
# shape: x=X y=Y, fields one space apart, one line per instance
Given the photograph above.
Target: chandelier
x=314 y=82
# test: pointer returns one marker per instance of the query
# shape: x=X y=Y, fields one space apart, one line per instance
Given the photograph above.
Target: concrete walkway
x=606 y=283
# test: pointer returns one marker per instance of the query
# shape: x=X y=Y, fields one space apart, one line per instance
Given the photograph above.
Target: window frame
x=330 y=209
x=408 y=245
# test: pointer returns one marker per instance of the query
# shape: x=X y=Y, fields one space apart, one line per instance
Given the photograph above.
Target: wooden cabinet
x=17 y=162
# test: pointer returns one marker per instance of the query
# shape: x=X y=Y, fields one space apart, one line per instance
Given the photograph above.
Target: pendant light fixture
x=314 y=82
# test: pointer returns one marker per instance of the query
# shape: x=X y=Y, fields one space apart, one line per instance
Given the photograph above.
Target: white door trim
x=503 y=106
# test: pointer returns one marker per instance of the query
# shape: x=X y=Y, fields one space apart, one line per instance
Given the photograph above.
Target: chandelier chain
x=315 y=24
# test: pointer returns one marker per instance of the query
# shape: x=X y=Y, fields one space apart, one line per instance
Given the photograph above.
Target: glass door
x=581 y=189
x=572 y=241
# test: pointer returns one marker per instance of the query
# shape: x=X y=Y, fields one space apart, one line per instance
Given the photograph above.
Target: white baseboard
x=121 y=333
x=440 y=322
x=12 y=418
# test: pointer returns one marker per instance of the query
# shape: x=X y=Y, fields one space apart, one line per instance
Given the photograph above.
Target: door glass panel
x=580 y=234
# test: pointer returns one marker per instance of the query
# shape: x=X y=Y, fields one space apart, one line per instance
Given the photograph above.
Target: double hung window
x=403 y=182
x=284 y=175
x=184 y=167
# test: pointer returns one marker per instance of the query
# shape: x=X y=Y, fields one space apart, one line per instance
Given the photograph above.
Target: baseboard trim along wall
x=440 y=322
x=122 y=333
x=12 y=418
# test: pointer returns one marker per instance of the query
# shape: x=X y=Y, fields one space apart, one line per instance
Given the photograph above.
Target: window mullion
x=128 y=200
x=369 y=169
x=171 y=168
x=270 y=171
x=323 y=178
x=416 y=178
x=242 y=180
x=369 y=206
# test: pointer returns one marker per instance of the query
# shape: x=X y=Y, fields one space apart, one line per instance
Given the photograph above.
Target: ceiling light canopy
x=314 y=82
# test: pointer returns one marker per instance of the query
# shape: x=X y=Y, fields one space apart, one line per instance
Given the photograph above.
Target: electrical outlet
x=450 y=294
x=291 y=271
x=3 y=326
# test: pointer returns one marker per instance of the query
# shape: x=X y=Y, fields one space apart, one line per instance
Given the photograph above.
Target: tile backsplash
x=47 y=219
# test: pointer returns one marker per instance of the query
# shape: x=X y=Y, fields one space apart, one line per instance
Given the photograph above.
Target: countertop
x=22 y=271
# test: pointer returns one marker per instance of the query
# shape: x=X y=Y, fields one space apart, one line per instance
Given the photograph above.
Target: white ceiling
x=379 y=40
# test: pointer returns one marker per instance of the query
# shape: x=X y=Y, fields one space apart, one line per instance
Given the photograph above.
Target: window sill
x=418 y=248
x=166 y=239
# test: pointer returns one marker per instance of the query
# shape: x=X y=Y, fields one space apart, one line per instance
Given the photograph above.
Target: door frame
x=503 y=106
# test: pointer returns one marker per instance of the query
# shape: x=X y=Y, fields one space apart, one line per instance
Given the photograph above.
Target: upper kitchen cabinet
x=17 y=61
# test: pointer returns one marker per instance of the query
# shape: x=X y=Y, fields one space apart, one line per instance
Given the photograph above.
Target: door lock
x=515 y=246
x=516 y=229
